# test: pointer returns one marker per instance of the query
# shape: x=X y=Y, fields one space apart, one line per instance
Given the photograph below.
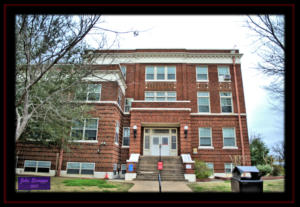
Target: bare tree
x=278 y=150
x=270 y=47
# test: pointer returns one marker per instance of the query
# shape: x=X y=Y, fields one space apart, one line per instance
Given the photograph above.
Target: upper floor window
x=117 y=132
x=224 y=73
x=85 y=129
x=128 y=102
x=123 y=70
x=119 y=97
x=162 y=73
x=160 y=96
x=202 y=73
x=89 y=92
x=203 y=101
x=229 y=137
x=226 y=102
x=126 y=136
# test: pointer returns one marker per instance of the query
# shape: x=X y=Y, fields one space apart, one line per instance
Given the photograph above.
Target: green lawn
x=61 y=184
x=225 y=186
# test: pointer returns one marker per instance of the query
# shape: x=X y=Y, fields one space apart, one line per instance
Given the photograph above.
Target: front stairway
x=172 y=168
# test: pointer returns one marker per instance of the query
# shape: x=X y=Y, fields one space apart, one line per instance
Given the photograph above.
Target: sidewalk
x=152 y=186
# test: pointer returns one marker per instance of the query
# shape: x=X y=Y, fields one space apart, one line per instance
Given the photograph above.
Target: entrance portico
x=160 y=141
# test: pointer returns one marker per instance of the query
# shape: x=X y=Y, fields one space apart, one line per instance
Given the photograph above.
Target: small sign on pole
x=160 y=165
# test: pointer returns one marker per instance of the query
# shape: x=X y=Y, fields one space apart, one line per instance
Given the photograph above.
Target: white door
x=165 y=147
x=160 y=141
x=155 y=146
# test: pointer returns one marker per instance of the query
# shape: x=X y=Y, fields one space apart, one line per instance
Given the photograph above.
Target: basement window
x=37 y=166
x=83 y=168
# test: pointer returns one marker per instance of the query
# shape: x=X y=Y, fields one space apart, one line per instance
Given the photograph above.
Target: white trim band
x=160 y=109
x=144 y=101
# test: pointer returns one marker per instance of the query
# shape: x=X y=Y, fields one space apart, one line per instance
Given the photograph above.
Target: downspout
x=61 y=154
x=239 y=112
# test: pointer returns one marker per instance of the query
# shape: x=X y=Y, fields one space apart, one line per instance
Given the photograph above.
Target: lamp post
x=134 y=131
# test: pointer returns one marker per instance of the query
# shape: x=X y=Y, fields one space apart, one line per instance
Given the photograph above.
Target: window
x=229 y=137
x=228 y=167
x=126 y=136
x=147 y=142
x=203 y=101
x=222 y=71
x=160 y=73
x=128 y=102
x=173 y=142
x=205 y=137
x=123 y=168
x=37 y=166
x=119 y=97
x=89 y=92
x=226 y=102
x=210 y=165
x=160 y=96
x=86 y=168
x=84 y=129
x=117 y=132
x=123 y=70
x=202 y=73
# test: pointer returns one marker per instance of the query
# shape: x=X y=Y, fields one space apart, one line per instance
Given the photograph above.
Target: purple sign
x=33 y=183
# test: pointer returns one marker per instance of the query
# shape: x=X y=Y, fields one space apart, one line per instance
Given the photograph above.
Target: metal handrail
x=159 y=177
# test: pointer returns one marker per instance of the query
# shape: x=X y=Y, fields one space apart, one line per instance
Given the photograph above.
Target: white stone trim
x=230 y=148
x=86 y=141
x=190 y=177
x=130 y=176
x=160 y=109
x=144 y=101
x=217 y=114
x=111 y=175
x=20 y=171
x=186 y=158
x=133 y=158
x=223 y=175
x=206 y=147
x=170 y=57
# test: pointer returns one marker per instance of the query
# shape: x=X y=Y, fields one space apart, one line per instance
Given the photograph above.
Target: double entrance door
x=160 y=141
x=160 y=144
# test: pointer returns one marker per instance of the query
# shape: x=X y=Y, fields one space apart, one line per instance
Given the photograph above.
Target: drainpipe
x=239 y=112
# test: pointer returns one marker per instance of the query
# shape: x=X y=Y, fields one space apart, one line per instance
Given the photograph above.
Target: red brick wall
x=219 y=156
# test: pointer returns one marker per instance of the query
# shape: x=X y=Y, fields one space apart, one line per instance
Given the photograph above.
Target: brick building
x=181 y=104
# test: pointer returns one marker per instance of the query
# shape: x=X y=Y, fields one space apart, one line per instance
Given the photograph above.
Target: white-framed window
x=127 y=105
x=228 y=167
x=229 y=137
x=202 y=73
x=210 y=165
x=37 y=166
x=89 y=92
x=123 y=70
x=160 y=96
x=119 y=97
x=226 y=102
x=85 y=129
x=123 y=168
x=126 y=136
x=117 y=132
x=85 y=168
x=223 y=73
x=160 y=73
x=205 y=138
x=203 y=102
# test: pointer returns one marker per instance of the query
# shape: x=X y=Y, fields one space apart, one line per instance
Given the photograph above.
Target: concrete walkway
x=152 y=186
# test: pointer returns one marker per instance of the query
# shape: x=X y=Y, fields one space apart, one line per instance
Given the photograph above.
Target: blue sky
x=205 y=32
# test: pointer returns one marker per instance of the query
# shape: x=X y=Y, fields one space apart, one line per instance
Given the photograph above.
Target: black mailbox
x=246 y=184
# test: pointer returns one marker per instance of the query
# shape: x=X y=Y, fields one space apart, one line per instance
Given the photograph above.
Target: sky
x=204 y=32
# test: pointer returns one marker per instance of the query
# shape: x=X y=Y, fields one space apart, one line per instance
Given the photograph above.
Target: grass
x=225 y=186
x=62 y=184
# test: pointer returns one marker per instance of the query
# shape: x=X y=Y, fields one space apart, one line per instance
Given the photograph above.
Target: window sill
x=160 y=80
x=202 y=147
x=202 y=81
x=225 y=81
x=125 y=147
x=86 y=141
x=230 y=148
x=117 y=144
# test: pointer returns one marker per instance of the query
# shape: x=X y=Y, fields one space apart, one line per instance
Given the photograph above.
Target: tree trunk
x=61 y=153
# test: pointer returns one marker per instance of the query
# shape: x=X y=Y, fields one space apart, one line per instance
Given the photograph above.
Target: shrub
x=264 y=169
x=277 y=170
x=201 y=170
